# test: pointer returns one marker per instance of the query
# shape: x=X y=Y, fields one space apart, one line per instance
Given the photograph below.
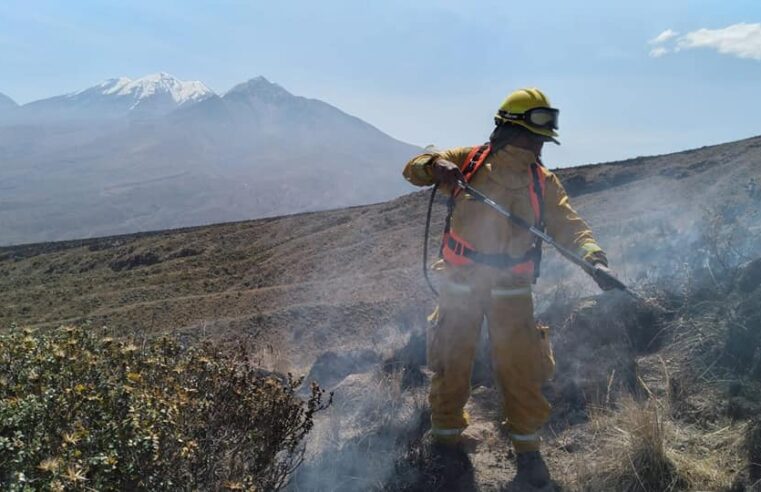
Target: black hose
x=425 y=241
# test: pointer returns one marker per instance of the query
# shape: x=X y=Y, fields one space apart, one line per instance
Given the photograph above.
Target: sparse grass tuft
x=635 y=457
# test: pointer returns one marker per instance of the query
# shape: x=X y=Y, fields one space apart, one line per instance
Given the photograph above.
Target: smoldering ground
x=664 y=248
x=369 y=439
x=376 y=408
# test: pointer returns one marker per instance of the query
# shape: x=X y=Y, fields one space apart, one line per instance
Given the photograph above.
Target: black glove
x=605 y=277
x=447 y=173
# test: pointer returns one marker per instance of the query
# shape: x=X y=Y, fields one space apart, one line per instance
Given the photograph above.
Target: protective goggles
x=545 y=118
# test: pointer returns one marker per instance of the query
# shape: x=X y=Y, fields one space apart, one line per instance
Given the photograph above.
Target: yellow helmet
x=531 y=109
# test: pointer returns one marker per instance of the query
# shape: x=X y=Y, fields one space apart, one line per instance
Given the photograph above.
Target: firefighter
x=488 y=267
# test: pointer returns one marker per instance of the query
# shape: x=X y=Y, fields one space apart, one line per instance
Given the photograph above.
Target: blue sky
x=425 y=71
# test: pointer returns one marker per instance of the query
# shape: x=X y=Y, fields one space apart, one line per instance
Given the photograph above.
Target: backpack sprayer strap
x=495 y=260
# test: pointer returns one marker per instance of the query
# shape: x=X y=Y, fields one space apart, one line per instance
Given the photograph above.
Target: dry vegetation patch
x=82 y=411
x=637 y=447
x=690 y=423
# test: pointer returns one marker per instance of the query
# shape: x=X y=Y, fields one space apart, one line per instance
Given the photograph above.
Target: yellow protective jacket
x=504 y=177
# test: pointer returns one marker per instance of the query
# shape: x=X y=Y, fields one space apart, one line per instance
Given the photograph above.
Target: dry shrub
x=80 y=411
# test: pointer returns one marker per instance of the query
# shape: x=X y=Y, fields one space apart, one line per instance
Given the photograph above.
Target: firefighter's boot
x=532 y=470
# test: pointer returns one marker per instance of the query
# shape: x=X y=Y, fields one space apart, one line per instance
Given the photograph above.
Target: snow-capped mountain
x=152 y=95
x=150 y=87
x=157 y=152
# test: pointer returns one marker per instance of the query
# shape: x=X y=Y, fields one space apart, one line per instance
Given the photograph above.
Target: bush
x=82 y=411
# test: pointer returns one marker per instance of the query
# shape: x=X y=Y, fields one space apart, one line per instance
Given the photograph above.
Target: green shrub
x=80 y=411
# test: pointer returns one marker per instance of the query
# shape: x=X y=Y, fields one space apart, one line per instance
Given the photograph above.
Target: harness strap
x=473 y=162
x=494 y=260
x=536 y=188
x=536 y=193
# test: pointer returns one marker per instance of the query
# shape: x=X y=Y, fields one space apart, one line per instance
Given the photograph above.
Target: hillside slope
x=339 y=296
x=298 y=276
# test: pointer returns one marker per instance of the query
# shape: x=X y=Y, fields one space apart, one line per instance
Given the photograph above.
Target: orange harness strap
x=473 y=163
x=536 y=192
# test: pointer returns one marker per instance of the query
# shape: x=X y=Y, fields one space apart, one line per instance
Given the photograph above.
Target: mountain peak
x=7 y=102
x=159 y=84
x=181 y=91
x=260 y=87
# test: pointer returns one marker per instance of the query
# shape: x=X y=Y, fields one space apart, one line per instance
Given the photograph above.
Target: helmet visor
x=543 y=118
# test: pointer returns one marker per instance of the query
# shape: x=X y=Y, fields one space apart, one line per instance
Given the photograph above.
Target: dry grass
x=638 y=447
x=633 y=453
x=694 y=427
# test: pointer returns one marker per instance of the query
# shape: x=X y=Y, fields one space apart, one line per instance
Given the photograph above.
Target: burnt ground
x=340 y=294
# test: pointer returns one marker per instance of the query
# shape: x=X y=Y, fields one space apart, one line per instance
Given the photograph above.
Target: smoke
x=663 y=226
x=660 y=220
x=355 y=443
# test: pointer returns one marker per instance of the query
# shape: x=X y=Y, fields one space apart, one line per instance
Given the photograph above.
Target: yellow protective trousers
x=521 y=356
